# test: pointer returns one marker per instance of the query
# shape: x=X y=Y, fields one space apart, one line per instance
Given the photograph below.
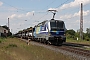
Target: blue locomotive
x=50 y=31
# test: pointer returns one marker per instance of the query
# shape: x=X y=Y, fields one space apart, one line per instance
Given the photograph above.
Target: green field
x=78 y=41
x=15 y=49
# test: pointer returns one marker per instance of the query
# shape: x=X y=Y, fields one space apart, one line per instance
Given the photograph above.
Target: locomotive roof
x=42 y=23
x=55 y=20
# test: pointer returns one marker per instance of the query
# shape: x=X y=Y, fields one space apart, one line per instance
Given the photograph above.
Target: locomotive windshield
x=56 y=25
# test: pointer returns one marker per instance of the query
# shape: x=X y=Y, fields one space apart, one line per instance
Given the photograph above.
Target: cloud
x=67 y=16
x=85 y=13
x=73 y=20
x=75 y=3
x=17 y=27
x=28 y=14
x=12 y=16
x=1 y=3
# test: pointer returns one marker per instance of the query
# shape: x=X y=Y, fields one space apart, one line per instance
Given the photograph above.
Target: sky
x=23 y=14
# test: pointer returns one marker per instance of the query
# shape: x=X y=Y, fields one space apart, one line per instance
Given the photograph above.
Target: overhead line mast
x=81 y=22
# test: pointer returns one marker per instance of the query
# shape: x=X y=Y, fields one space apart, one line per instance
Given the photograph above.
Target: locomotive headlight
x=49 y=34
x=64 y=34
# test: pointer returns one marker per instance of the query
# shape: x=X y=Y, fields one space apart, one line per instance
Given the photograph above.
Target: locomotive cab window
x=56 y=25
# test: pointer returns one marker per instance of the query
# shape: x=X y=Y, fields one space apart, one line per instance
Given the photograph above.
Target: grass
x=78 y=41
x=2 y=39
x=15 y=49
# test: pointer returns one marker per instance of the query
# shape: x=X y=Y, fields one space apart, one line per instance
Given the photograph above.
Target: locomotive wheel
x=44 y=41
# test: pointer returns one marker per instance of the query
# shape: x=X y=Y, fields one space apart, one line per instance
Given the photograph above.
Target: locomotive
x=49 y=31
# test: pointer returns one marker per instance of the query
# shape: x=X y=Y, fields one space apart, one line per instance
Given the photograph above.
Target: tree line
x=71 y=34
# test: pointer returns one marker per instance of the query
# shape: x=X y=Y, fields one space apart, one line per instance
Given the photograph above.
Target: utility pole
x=8 y=26
x=81 y=22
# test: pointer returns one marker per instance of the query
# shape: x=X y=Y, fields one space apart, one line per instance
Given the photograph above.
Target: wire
x=50 y=3
x=14 y=7
x=62 y=3
x=25 y=10
x=56 y=7
x=43 y=9
x=37 y=12
x=28 y=11
x=43 y=16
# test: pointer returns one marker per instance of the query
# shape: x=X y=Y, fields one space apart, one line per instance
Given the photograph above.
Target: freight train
x=49 y=31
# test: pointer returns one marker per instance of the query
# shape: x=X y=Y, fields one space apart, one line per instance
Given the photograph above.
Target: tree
x=88 y=32
x=5 y=27
x=70 y=33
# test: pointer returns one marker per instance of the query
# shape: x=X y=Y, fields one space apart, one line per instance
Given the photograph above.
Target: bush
x=88 y=39
x=11 y=36
x=11 y=45
x=1 y=39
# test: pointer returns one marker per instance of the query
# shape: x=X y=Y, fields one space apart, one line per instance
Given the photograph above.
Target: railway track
x=85 y=54
x=76 y=44
x=75 y=50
